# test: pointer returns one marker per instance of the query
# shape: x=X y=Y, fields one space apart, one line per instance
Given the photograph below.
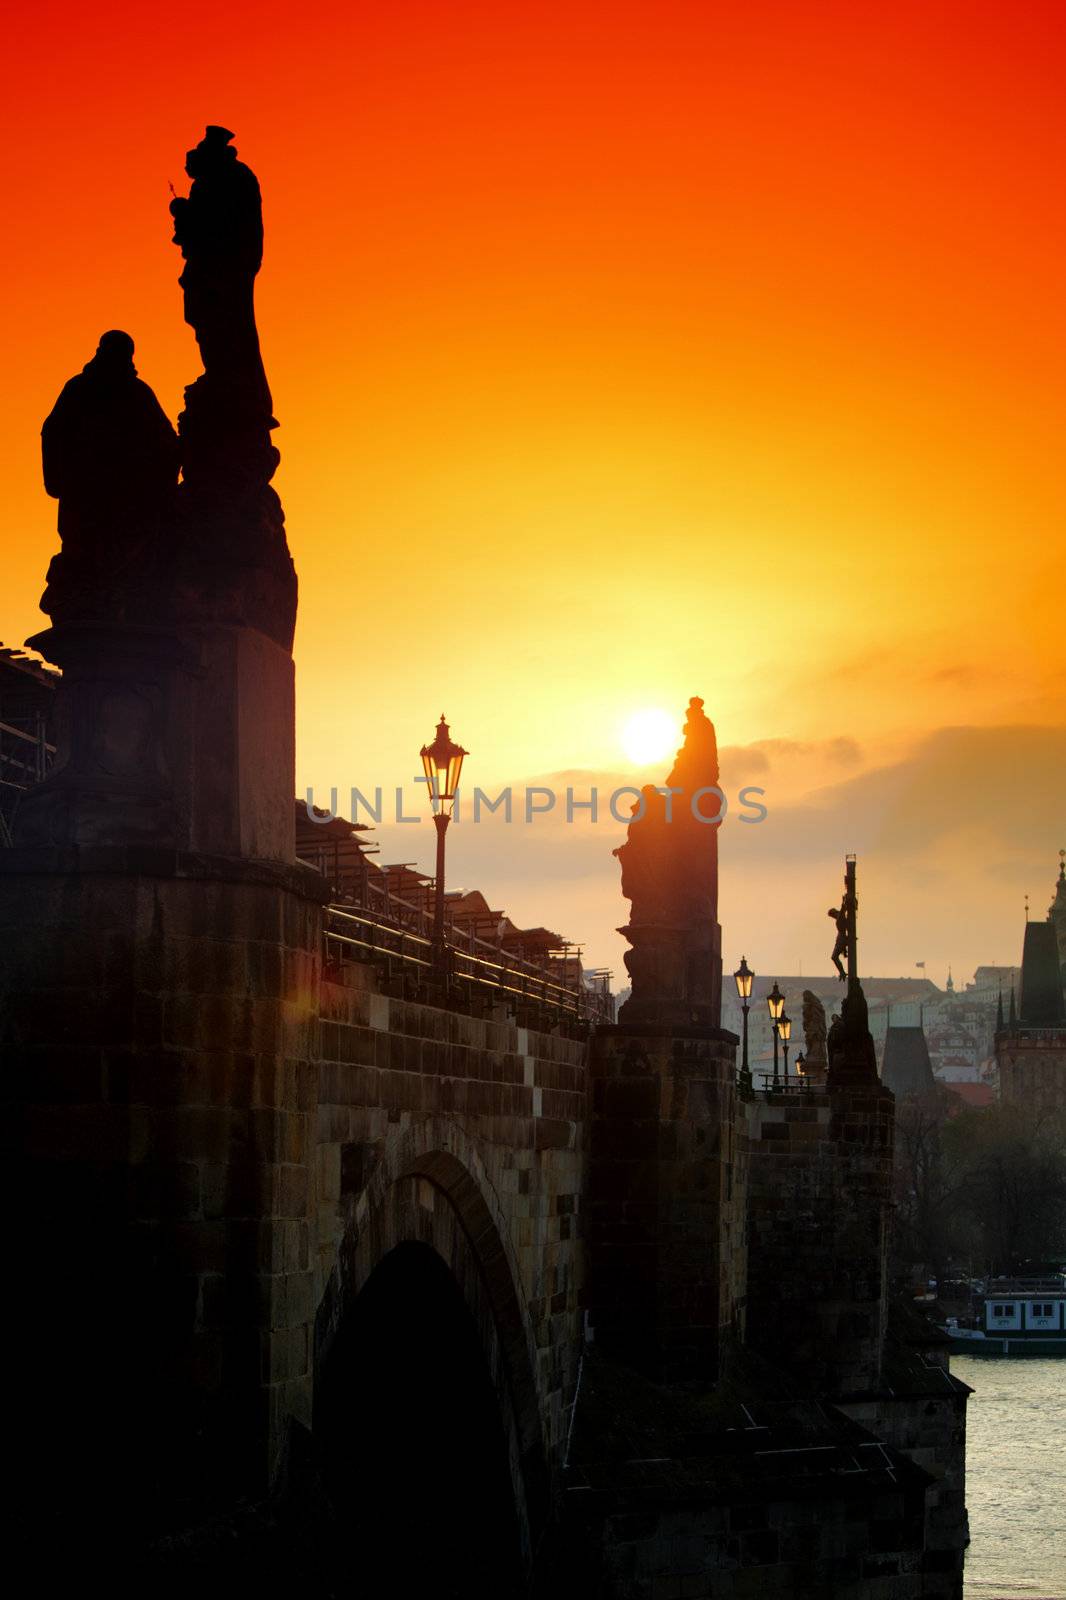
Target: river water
x=1015 y=1478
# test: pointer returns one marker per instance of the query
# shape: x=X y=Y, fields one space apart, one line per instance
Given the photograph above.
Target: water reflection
x=1015 y=1478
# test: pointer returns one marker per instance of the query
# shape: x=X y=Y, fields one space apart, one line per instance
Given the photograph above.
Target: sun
x=649 y=736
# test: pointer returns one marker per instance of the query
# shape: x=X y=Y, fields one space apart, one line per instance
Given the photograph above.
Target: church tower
x=1031 y=1050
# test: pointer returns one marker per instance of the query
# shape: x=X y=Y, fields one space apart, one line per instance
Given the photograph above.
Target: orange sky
x=621 y=353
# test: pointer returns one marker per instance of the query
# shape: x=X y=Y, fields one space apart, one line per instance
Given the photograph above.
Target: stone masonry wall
x=665 y=1225
x=487 y=1111
x=931 y=1429
x=1032 y=1070
x=157 y=1028
x=818 y=1195
x=770 y=1546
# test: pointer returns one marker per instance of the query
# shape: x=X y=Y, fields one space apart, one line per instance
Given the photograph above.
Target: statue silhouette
x=840 y=946
x=669 y=867
x=232 y=554
x=219 y=229
x=814 y=1032
x=108 y=448
x=110 y=457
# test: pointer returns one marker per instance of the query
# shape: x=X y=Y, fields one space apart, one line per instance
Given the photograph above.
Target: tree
x=927 y=1183
x=983 y=1186
x=1011 y=1209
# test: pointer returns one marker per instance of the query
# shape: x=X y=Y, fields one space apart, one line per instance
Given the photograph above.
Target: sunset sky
x=622 y=353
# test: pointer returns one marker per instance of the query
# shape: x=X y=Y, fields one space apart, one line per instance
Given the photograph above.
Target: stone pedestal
x=664 y=1217
x=157 y=1031
x=178 y=737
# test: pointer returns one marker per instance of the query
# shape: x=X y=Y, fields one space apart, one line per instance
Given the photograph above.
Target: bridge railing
x=795 y=1085
x=403 y=936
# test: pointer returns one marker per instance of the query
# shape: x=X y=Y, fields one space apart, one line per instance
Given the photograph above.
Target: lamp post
x=801 y=1067
x=744 y=977
x=784 y=1028
x=775 y=1000
x=442 y=762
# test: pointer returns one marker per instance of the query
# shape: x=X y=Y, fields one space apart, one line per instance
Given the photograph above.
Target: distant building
x=1031 y=1038
x=990 y=982
x=907 y=1069
x=956 y=1051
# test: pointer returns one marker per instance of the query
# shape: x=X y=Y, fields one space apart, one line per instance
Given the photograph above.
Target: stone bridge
x=308 y=1255
x=292 y=1199
x=324 y=1278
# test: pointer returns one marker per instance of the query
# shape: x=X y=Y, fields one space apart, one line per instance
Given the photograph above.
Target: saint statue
x=110 y=457
x=233 y=553
x=670 y=877
x=219 y=228
x=814 y=1033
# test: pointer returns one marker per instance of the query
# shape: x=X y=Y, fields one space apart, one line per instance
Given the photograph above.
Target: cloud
x=948 y=840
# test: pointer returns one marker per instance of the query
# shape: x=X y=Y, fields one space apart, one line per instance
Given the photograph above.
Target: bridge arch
x=425 y=1369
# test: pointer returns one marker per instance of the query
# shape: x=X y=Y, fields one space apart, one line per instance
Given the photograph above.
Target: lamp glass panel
x=455 y=766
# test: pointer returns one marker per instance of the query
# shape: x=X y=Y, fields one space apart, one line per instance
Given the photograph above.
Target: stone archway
x=426 y=1417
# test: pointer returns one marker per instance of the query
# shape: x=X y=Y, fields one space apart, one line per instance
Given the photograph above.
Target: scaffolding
x=384 y=915
x=27 y=750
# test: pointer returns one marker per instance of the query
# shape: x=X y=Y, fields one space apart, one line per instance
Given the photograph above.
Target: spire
x=1040 y=1001
x=1012 y=1014
x=999 y=1011
x=951 y=983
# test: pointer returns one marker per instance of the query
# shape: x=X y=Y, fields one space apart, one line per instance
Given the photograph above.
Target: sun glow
x=650 y=735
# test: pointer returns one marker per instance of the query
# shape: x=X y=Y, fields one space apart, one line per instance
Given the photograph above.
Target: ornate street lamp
x=801 y=1066
x=442 y=762
x=784 y=1028
x=744 y=976
x=775 y=1000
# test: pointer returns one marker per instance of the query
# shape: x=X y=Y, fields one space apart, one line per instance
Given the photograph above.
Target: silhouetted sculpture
x=231 y=522
x=840 y=947
x=670 y=875
x=110 y=457
x=220 y=230
x=816 y=1059
x=834 y=1038
x=174 y=603
x=850 y=1046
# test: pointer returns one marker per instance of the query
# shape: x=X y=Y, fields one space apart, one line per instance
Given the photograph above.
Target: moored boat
x=1012 y=1317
